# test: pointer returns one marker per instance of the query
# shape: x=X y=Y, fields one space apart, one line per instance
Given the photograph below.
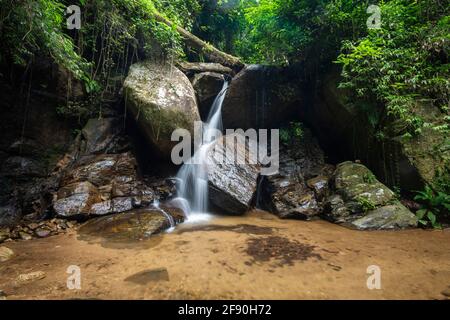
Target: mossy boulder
x=360 y=201
x=394 y=216
x=354 y=181
x=161 y=99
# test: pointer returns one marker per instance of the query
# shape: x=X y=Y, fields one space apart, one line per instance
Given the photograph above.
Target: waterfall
x=193 y=175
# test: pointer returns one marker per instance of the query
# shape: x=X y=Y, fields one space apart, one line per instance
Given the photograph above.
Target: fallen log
x=210 y=52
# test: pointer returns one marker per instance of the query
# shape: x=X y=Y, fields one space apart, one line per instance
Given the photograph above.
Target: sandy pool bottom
x=257 y=256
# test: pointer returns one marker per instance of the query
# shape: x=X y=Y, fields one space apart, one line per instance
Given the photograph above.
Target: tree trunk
x=204 y=48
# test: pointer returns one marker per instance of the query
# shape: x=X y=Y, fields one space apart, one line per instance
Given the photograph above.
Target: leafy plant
x=292 y=132
x=366 y=203
x=369 y=178
x=435 y=205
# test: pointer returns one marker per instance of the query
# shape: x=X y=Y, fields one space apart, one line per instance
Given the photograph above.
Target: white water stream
x=193 y=175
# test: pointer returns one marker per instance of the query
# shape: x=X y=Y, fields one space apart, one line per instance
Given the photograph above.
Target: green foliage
x=291 y=133
x=275 y=30
x=400 y=63
x=369 y=178
x=435 y=205
x=387 y=70
x=220 y=23
x=35 y=27
x=366 y=203
x=113 y=35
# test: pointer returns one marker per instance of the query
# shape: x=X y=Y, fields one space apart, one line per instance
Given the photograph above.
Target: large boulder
x=232 y=180
x=102 y=185
x=361 y=201
x=207 y=86
x=354 y=182
x=262 y=97
x=95 y=182
x=162 y=99
x=102 y=169
x=297 y=189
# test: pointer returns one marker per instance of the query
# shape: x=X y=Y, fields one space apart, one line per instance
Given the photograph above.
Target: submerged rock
x=162 y=99
x=354 y=182
x=133 y=225
x=362 y=202
x=231 y=179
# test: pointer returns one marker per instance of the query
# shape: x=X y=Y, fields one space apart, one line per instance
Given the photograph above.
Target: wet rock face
x=362 y=202
x=102 y=185
x=10 y=213
x=5 y=254
x=162 y=99
x=22 y=174
x=207 y=86
x=132 y=225
x=23 y=167
x=103 y=136
x=231 y=185
x=262 y=97
x=25 y=147
x=301 y=184
x=100 y=170
x=76 y=199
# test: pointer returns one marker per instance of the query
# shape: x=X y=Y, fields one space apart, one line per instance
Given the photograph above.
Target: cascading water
x=167 y=215
x=193 y=175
